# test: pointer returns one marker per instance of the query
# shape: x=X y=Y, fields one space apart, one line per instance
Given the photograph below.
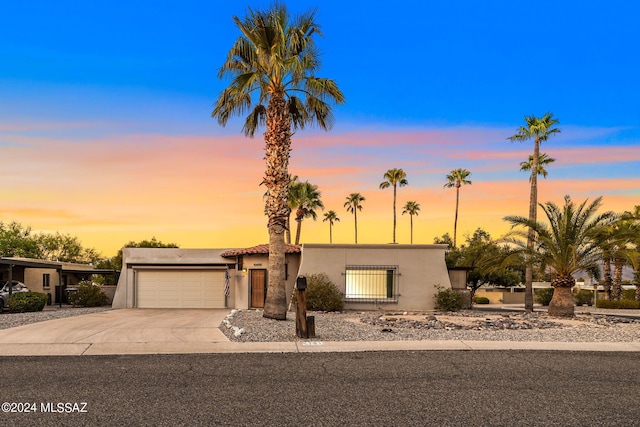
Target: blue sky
x=109 y=74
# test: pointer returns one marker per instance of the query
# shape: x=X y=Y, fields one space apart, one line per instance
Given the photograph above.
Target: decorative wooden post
x=301 y=307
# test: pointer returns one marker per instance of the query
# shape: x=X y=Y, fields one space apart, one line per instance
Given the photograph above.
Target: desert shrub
x=481 y=300
x=544 y=295
x=583 y=296
x=623 y=303
x=629 y=294
x=88 y=295
x=322 y=294
x=448 y=299
x=25 y=302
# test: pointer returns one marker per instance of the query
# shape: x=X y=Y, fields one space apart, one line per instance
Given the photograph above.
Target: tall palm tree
x=540 y=129
x=567 y=244
x=394 y=178
x=332 y=217
x=457 y=178
x=542 y=162
x=272 y=66
x=412 y=208
x=353 y=205
x=307 y=200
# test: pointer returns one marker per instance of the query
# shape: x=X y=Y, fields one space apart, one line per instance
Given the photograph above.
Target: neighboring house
x=48 y=277
x=388 y=277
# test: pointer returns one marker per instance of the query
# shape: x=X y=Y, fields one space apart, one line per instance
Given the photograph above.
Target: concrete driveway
x=124 y=331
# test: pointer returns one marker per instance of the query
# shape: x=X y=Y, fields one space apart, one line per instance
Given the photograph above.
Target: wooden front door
x=258 y=288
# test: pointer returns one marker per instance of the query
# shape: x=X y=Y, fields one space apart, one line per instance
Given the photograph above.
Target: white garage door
x=180 y=289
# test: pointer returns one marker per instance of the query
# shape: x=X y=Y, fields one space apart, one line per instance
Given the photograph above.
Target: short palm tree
x=412 y=208
x=353 y=205
x=542 y=162
x=272 y=66
x=332 y=217
x=538 y=129
x=618 y=248
x=457 y=178
x=307 y=200
x=567 y=244
x=394 y=178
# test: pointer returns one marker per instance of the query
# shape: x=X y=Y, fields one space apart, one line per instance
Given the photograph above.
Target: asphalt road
x=434 y=388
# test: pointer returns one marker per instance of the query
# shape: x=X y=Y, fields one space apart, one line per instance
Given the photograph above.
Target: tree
x=353 y=205
x=307 y=200
x=394 y=178
x=540 y=129
x=17 y=241
x=64 y=248
x=412 y=208
x=617 y=243
x=489 y=262
x=115 y=263
x=567 y=244
x=457 y=178
x=542 y=162
x=332 y=217
x=272 y=66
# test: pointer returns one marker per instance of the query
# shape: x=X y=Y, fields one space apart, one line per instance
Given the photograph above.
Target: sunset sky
x=106 y=134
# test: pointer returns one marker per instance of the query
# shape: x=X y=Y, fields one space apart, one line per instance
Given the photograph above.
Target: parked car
x=4 y=292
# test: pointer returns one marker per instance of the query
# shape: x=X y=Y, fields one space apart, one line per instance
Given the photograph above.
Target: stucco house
x=388 y=277
x=49 y=277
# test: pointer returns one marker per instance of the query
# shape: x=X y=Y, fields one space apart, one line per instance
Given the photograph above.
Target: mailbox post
x=305 y=326
x=301 y=307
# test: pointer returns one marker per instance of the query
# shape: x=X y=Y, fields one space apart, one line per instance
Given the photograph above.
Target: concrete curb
x=96 y=349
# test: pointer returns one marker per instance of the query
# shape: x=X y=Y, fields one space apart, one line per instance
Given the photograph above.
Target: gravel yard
x=11 y=320
x=465 y=325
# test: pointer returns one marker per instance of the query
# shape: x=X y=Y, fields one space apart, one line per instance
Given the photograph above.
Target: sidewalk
x=171 y=331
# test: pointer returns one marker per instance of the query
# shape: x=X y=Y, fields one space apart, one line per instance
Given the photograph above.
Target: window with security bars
x=371 y=283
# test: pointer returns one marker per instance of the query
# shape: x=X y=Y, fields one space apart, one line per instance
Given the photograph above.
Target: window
x=46 y=280
x=371 y=283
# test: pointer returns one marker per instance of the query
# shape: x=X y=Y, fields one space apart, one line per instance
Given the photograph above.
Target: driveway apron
x=119 y=329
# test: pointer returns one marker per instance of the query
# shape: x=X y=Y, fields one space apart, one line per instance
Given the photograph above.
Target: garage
x=180 y=288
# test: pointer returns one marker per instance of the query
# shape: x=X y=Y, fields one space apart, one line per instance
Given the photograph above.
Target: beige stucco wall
x=33 y=280
x=421 y=267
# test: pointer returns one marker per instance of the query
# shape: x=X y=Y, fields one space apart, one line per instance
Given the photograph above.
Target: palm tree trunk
x=394 y=213
x=533 y=209
x=330 y=233
x=298 y=229
x=289 y=227
x=411 y=222
x=607 y=277
x=616 y=288
x=355 y=219
x=455 y=221
x=277 y=147
x=562 y=303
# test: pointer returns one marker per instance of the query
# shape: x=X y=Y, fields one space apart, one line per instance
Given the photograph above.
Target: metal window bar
x=371 y=283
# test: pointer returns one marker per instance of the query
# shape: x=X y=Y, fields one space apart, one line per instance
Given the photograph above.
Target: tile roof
x=260 y=250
